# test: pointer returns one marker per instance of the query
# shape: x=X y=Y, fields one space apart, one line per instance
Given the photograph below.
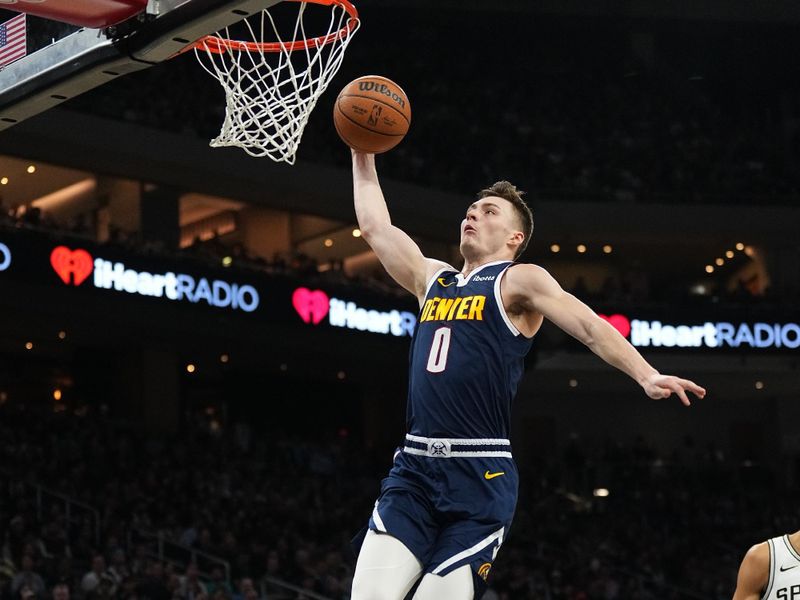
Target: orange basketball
x=372 y=114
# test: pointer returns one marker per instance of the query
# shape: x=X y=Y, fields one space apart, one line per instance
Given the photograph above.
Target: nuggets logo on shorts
x=483 y=571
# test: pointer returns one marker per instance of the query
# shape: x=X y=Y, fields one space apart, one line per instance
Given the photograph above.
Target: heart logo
x=312 y=306
x=75 y=263
x=619 y=322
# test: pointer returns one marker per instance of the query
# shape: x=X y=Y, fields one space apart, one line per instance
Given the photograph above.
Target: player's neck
x=794 y=538
x=472 y=263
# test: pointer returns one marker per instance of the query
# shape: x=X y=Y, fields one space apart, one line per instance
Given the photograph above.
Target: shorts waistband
x=457 y=447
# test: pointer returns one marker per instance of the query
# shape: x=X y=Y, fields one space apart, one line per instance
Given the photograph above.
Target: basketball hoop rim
x=218 y=45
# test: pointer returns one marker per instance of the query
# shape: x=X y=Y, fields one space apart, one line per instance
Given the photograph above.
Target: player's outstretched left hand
x=659 y=386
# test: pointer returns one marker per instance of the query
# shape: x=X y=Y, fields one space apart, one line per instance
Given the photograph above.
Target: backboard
x=132 y=35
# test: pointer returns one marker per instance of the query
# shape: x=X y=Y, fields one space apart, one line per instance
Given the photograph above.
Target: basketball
x=372 y=114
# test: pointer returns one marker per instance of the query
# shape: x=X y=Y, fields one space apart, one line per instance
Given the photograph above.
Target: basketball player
x=771 y=570
x=447 y=504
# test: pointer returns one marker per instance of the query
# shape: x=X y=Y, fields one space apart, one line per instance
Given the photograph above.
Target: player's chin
x=467 y=244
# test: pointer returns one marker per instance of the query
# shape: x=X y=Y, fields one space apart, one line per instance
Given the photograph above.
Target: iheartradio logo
x=72 y=266
x=311 y=305
x=619 y=322
x=314 y=305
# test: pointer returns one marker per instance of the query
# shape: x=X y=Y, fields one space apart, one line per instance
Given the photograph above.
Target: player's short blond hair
x=508 y=191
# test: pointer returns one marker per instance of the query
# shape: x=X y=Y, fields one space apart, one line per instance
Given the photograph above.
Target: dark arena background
x=222 y=436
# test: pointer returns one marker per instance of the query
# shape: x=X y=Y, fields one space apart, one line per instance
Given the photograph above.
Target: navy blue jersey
x=466 y=358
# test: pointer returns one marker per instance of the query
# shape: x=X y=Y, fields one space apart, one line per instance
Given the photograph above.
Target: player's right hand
x=659 y=386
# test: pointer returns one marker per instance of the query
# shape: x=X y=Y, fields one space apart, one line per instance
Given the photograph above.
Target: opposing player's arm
x=534 y=289
x=753 y=573
x=398 y=253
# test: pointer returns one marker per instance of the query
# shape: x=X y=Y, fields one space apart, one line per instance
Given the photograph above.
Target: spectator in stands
x=118 y=570
x=15 y=539
x=153 y=586
x=91 y=580
x=218 y=585
x=54 y=538
x=27 y=582
x=60 y=591
x=245 y=586
x=138 y=564
x=191 y=588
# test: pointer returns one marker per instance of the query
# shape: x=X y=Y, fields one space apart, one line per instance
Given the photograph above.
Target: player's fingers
x=676 y=387
x=692 y=387
x=697 y=390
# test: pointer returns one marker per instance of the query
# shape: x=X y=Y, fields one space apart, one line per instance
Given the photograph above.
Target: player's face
x=488 y=226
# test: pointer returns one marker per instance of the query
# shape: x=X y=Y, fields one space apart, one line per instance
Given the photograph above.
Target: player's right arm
x=753 y=573
x=398 y=253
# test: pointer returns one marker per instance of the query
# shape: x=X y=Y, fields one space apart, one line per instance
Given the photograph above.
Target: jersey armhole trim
x=498 y=298
x=771 y=581
x=789 y=547
x=435 y=276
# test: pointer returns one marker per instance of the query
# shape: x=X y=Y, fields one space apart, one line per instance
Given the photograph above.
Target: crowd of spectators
x=673 y=527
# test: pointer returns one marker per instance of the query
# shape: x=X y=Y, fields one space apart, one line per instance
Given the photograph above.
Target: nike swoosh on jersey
x=443 y=284
x=785 y=568
x=488 y=475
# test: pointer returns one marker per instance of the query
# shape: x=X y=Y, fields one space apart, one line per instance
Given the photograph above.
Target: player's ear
x=516 y=239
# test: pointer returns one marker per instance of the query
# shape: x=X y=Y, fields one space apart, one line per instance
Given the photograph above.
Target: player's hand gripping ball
x=372 y=114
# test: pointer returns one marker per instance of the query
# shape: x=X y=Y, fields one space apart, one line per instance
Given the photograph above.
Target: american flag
x=12 y=40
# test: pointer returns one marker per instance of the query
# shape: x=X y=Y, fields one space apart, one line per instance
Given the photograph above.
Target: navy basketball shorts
x=451 y=502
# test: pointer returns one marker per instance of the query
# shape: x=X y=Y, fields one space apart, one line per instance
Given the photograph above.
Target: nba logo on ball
x=372 y=114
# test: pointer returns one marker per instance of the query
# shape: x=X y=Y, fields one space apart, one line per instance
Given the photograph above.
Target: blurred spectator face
x=98 y=564
x=273 y=563
x=118 y=558
x=301 y=556
x=205 y=537
x=26 y=593
x=17 y=524
x=251 y=595
x=157 y=570
x=191 y=571
x=106 y=586
x=64 y=568
x=173 y=582
x=216 y=574
x=27 y=562
x=332 y=560
x=246 y=585
x=332 y=585
x=61 y=592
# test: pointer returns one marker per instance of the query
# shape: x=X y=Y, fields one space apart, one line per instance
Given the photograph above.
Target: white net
x=272 y=81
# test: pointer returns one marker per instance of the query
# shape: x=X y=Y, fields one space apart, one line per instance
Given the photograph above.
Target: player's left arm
x=533 y=289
